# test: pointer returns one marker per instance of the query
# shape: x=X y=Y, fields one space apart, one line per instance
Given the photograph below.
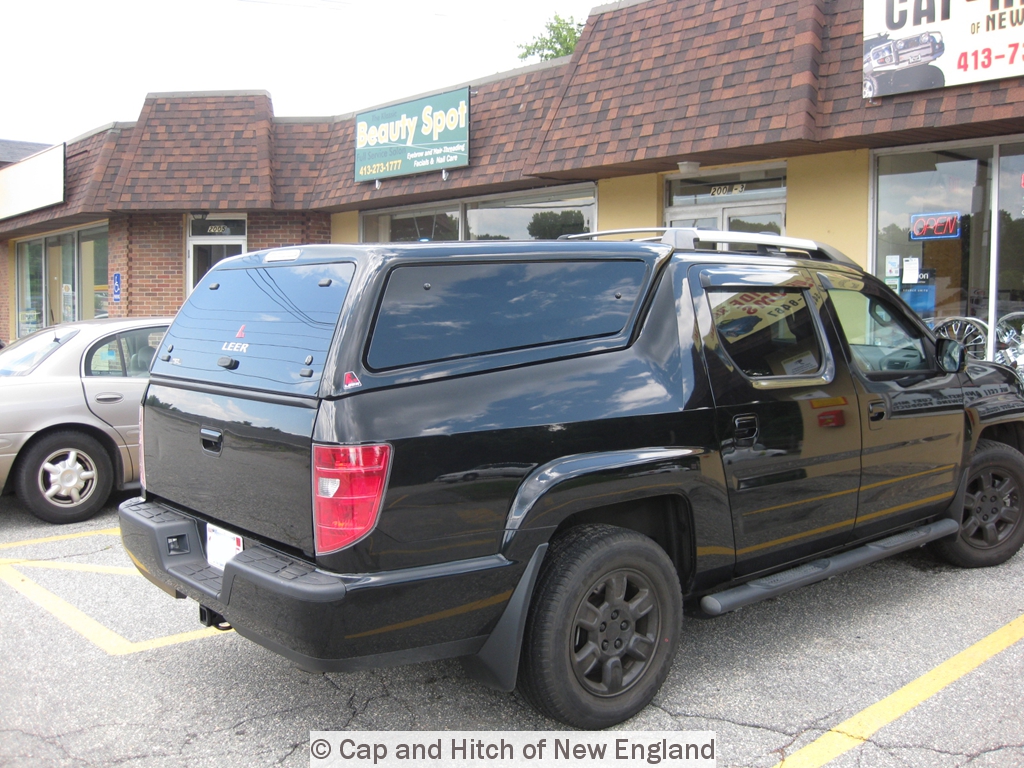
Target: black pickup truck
x=528 y=455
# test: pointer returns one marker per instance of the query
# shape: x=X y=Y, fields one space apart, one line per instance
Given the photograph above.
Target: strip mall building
x=891 y=129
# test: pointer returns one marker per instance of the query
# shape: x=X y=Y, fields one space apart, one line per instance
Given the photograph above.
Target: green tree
x=549 y=225
x=560 y=40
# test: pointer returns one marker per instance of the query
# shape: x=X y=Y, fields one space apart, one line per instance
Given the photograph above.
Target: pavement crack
x=295 y=745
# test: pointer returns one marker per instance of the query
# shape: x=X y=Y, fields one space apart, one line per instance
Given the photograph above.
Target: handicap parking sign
x=117 y=286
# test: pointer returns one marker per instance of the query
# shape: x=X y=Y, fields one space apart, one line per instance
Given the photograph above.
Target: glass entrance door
x=202 y=257
x=213 y=238
x=763 y=219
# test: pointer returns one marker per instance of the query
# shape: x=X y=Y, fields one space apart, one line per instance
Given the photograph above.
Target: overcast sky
x=75 y=65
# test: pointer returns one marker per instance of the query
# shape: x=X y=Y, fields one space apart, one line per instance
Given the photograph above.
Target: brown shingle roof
x=198 y=151
x=300 y=147
x=653 y=82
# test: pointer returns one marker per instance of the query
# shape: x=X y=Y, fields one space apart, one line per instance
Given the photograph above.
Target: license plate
x=221 y=546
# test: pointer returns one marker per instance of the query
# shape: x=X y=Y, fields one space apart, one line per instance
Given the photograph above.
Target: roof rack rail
x=687 y=238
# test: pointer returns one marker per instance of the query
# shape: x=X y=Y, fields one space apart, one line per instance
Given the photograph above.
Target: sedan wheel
x=65 y=477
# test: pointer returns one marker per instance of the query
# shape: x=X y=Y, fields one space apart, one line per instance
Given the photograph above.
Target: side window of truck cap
x=442 y=312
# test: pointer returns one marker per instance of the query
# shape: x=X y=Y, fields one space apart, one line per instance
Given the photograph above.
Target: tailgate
x=228 y=417
x=240 y=460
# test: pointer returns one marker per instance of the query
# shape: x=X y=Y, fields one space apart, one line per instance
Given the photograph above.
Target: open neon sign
x=935 y=226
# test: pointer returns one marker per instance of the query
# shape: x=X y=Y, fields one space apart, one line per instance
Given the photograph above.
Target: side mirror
x=950 y=355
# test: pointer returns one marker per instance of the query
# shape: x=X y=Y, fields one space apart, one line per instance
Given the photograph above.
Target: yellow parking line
x=97 y=634
x=853 y=732
x=62 y=537
x=118 y=570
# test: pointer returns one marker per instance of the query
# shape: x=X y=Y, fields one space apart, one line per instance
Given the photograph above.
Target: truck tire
x=603 y=627
x=992 y=522
x=65 y=477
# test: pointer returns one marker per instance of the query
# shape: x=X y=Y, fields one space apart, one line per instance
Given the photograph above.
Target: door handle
x=109 y=397
x=212 y=440
x=745 y=429
x=876 y=410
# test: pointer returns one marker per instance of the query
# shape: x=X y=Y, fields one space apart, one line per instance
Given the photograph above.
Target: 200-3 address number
x=390 y=165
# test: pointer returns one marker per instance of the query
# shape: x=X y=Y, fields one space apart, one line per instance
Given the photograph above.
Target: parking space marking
x=858 y=729
x=61 y=537
x=106 y=639
x=55 y=565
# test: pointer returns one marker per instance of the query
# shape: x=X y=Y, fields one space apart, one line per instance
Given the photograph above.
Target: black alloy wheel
x=615 y=632
x=603 y=627
x=992 y=521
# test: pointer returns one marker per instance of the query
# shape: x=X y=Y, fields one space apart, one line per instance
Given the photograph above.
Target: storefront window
x=514 y=217
x=529 y=218
x=61 y=278
x=932 y=238
x=92 y=244
x=30 y=287
x=62 y=288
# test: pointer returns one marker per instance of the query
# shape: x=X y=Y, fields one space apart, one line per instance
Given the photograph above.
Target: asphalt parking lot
x=903 y=663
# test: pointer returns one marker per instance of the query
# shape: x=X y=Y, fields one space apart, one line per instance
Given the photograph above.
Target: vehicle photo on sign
x=428 y=134
x=918 y=46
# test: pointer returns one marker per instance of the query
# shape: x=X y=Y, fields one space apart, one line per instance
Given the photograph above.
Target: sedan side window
x=105 y=359
x=139 y=348
x=127 y=354
x=879 y=340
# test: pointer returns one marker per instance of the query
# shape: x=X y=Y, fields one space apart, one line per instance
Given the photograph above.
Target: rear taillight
x=142 y=453
x=348 y=490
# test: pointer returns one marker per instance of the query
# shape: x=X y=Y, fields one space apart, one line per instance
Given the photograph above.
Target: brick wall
x=274 y=230
x=149 y=252
x=117 y=261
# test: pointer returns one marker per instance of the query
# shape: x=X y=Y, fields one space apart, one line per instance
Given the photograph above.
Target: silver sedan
x=69 y=413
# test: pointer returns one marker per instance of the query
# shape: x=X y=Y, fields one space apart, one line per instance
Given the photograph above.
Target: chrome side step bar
x=819 y=570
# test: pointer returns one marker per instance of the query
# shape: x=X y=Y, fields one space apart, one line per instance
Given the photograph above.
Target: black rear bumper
x=325 y=621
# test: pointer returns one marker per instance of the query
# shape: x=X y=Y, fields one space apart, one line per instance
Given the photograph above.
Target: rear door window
x=266 y=327
x=127 y=354
x=767 y=332
x=442 y=312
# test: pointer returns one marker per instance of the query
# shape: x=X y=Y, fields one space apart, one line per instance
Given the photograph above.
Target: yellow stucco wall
x=630 y=201
x=827 y=199
x=345 y=227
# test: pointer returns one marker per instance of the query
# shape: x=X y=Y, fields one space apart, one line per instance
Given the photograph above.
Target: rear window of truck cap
x=263 y=327
x=440 y=312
